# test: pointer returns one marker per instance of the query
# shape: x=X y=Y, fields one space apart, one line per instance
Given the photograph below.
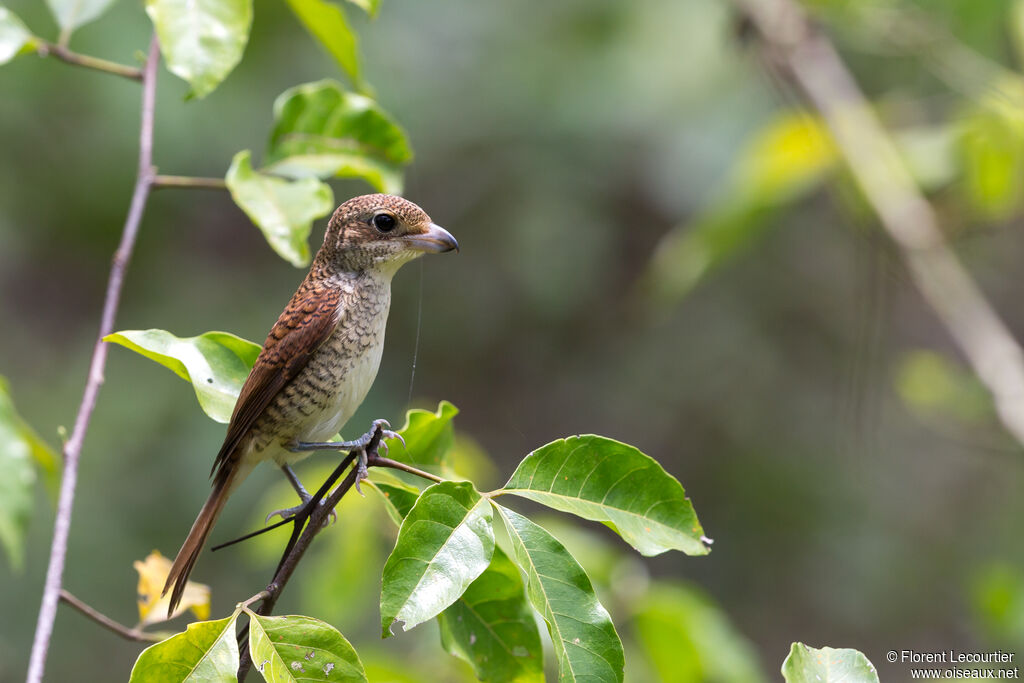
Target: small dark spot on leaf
x=310 y=654
x=209 y=380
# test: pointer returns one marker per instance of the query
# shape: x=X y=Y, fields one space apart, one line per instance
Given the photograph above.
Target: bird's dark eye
x=384 y=222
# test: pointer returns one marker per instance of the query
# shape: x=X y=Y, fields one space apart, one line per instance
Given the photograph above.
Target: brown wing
x=305 y=324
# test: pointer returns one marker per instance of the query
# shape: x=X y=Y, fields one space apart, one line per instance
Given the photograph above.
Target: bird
x=319 y=359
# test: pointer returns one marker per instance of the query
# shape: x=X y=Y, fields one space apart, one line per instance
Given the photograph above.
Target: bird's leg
x=293 y=479
x=381 y=429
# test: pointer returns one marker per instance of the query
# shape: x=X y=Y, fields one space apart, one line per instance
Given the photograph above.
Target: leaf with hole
x=611 y=482
x=284 y=210
x=827 y=665
x=445 y=542
x=586 y=645
x=491 y=627
x=322 y=130
x=215 y=363
x=201 y=40
x=206 y=652
x=296 y=648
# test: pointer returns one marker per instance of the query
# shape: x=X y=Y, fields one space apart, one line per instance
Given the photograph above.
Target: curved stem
x=61 y=52
x=73 y=447
x=395 y=465
x=108 y=623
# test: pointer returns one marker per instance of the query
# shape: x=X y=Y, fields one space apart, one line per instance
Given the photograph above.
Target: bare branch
x=189 y=182
x=108 y=623
x=61 y=52
x=803 y=53
x=73 y=447
x=395 y=465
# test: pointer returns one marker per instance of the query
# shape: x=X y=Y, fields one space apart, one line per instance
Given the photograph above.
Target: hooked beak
x=436 y=240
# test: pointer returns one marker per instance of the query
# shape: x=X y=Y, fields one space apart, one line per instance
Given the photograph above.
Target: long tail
x=193 y=544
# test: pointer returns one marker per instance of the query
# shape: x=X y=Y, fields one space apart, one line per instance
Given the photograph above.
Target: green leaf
x=216 y=363
x=202 y=40
x=326 y=22
x=997 y=601
x=371 y=7
x=322 y=130
x=19 y=446
x=428 y=437
x=296 y=648
x=688 y=638
x=992 y=149
x=586 y=645
x=398 y=498
x=283 y=210
x=13 y=35
x=205 y=653
x=444 y=544
x=614 y=483
x=70 y=14
x=827 y=665
x=491 y=626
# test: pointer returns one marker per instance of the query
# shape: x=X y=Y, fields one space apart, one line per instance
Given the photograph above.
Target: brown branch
x=803 y=53
x=59 y=51
x=73 y=447
x=395 y=465
x=108 y=623
x=171 y=181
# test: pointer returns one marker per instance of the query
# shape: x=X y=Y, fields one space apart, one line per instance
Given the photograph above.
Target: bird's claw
x=288 y=513
x=362 y=471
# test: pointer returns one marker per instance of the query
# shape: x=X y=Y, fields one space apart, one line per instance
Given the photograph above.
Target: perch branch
x=73 y=447
x=801 y=52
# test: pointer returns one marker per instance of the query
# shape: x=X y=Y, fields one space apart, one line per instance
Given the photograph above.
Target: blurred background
x=655 y=247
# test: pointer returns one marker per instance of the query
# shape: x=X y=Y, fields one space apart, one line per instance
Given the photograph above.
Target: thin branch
x=803 y=53
x=166 y=181
x=73 y=447
x=61 y=52
x=108 y=623
x=395 y=465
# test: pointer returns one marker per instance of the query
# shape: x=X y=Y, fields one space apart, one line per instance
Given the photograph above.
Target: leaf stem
x=61 y=52
x=108 y=623
x=73 y=447
x=178 y=181
x=395 y=465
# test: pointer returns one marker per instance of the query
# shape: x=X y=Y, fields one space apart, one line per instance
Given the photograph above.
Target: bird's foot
x=383 y=426
x=380 y=429
x=289 y=513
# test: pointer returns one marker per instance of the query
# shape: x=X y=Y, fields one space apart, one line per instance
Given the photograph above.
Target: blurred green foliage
x=561 y=143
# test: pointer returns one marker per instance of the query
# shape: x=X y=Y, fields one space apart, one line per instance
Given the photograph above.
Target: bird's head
x=381 y=232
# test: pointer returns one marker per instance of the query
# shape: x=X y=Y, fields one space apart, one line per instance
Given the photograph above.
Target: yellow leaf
x=153 y=573
x=785 y=156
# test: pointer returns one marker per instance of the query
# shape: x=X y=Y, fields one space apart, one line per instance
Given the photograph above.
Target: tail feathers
x=195 y=541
